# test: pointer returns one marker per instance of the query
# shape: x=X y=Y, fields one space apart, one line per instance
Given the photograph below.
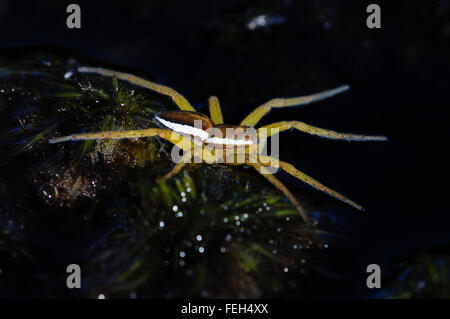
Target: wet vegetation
x=212 y=231
x=426 y=276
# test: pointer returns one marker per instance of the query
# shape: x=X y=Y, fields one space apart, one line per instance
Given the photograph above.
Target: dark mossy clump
x=426 y=276
x=211 y=231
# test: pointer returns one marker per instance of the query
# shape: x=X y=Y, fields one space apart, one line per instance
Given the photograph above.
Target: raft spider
x=179 y=128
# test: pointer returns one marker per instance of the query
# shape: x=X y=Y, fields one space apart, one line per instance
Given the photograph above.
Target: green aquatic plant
x=427 y=276
x=212 y=231
x=196 y=234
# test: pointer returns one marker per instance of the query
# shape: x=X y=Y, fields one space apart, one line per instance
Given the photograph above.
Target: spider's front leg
x=274 y=128
x=290 y=169
x=253 y=118
x=278 y=184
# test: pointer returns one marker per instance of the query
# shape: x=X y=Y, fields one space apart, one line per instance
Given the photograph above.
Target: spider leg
x=278 y=184
x=286 y=125
x=312 y=182
x=215 y=110
x=179 y=100
x=253 y=118
x=178 y=167
x=108 y=135
x=174 y=171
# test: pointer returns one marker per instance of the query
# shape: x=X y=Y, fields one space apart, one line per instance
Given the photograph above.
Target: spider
x=179 y=127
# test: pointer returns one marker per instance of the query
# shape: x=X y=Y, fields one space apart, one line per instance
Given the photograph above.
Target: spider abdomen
x=185 y=123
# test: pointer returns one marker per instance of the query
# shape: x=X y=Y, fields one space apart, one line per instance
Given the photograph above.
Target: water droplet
x=325 y=245
x=238 y=223
x=188 y=189
x=201 y=250
x=199 y=237
x=222 y=250
x=68 y=74
x=180 y=214
x=183 y=194
x=175 y=208
x=225 y=220
x=182 y=254
x=294 y=246
x=101 y=296
x=286 y=269
x=183 y=199
x=236 y=217
x=161 y=224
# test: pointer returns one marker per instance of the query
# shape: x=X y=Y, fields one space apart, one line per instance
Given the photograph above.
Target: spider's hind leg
x=179 y=99
x=108 y=135
x=179 y=166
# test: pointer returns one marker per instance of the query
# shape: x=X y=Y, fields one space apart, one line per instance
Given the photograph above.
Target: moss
x=213 y=230
x=427 y=276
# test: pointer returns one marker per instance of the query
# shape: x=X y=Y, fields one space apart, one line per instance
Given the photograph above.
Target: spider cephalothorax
x=211 y=140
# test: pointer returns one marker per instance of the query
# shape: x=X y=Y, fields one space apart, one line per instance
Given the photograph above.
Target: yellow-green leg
x=290 y=169
x=215 y=110
x=179 y=166
x=109 y=135
x=253 y=118
x=274 y=128
x=174 y=171
x=278 y=184
x=179 y=99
